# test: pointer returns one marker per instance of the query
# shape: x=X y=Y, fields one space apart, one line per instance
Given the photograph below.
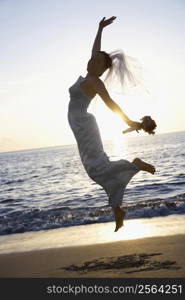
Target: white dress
x=113 y=176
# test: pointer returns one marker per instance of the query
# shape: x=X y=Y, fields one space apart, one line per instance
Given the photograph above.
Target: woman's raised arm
x=97 y=42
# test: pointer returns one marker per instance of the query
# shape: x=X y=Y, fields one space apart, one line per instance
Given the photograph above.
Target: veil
x=124 y=74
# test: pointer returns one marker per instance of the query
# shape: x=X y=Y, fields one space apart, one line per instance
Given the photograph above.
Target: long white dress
x=113 y=176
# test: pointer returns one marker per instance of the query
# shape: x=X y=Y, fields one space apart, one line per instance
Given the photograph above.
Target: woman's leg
x=119 y=213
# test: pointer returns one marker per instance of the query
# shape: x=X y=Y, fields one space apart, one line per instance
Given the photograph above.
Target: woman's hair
x=108 y=60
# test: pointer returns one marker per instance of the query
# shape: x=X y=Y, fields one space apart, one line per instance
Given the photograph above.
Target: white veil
x=124 y=74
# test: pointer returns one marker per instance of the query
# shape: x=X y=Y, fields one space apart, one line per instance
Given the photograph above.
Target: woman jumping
x=113 y=176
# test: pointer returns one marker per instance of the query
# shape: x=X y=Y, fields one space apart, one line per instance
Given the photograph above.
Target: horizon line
x=70 y=144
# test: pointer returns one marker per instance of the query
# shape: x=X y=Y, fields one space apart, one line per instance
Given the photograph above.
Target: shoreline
x=143 y=248
x=90 y=234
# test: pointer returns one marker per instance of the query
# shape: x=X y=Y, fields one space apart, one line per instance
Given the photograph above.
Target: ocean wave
x=14 y=181
x=35 y=220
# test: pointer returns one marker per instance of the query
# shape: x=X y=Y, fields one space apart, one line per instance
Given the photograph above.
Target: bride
x=113 y=176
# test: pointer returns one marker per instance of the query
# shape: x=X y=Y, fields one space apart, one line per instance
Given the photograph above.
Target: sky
x=45 y=47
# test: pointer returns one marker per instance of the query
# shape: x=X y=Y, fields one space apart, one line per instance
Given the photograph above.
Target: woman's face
x=96 y=65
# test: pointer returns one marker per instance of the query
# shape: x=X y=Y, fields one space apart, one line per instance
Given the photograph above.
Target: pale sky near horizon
x=45 y=46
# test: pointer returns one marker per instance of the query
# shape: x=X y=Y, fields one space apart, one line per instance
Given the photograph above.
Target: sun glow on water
x=133 y=230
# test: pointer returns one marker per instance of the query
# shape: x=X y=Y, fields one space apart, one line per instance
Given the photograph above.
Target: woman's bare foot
x=143 y=166
x=119 y=217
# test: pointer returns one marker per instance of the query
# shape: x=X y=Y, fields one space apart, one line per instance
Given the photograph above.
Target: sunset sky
x=45 y=46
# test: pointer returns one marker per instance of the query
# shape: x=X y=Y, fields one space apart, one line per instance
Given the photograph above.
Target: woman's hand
x=136 y=125
x=133 y=126
x=103 y=23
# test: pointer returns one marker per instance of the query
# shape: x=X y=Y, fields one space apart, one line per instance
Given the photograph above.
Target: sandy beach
x=147 y=256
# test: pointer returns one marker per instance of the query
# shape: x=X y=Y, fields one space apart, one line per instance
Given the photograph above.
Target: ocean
x=48 y=188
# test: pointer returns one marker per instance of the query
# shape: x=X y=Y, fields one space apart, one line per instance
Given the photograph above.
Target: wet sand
x=149 y=256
